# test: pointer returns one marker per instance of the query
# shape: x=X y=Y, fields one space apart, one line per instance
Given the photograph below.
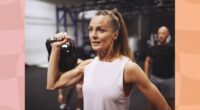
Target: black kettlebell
x=68 y=58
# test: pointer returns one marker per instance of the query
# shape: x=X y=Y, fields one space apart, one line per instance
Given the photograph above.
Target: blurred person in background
x=160 y=58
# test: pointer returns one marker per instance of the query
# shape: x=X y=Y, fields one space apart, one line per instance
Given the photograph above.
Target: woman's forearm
x=53 y=72
x=157 y=99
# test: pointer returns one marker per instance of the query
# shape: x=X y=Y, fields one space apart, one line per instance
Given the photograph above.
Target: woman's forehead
x=100 y=20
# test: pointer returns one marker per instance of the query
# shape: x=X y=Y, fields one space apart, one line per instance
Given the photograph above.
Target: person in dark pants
x=161 y=58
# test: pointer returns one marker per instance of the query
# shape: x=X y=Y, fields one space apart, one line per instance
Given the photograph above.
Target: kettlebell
x=68 y=58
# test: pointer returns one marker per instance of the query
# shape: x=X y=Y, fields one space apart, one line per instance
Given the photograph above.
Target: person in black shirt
x=160 y=58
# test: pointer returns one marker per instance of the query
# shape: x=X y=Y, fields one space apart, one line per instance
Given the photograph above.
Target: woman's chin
x=97 y=49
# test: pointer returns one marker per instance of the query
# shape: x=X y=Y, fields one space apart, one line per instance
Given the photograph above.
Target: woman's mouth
x=95 y=43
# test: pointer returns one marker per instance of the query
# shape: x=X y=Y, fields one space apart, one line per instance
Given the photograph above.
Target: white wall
x=40 y=23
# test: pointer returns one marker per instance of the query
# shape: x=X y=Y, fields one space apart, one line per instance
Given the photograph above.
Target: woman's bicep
x=73 y=76
x=147 y=89
x=68 y=78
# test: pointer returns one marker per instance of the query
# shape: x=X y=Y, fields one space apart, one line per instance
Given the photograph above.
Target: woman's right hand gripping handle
x=61 y=38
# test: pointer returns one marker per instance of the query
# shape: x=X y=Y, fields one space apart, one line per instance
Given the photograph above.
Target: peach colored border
x=187 y=55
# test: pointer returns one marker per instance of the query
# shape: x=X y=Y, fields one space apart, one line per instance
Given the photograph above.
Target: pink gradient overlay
x=12 y=55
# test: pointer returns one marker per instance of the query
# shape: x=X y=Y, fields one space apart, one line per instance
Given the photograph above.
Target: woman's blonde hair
x=120 y=46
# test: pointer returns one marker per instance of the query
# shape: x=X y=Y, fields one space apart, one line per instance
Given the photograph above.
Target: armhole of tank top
x=125 y=93
x=85 y=69
x=88 y=65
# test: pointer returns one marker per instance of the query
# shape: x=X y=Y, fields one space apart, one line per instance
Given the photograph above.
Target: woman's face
x=101 y=33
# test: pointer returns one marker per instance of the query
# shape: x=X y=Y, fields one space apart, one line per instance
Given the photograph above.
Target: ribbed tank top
x=103 y=85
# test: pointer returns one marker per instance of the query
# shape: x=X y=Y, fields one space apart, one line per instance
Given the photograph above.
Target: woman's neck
x=107 y=55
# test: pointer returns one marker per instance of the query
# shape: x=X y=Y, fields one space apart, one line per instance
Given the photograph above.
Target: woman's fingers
x=61 y=39
x=64 y=40
x=61 y=35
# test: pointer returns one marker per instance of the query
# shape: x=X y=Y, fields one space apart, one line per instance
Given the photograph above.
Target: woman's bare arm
x=135 y=75
x=54 y=78
x=52 y=71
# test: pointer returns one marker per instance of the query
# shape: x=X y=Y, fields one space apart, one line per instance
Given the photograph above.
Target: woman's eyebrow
x=96 y=26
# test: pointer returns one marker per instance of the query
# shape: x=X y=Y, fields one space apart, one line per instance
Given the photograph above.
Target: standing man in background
x=161 y=58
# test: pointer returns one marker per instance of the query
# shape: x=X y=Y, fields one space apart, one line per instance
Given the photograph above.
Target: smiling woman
x=109 y=77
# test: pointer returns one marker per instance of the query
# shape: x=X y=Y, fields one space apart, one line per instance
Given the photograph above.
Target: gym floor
x=38 y=98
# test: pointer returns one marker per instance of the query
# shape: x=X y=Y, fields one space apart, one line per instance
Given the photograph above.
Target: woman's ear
x=116 y=35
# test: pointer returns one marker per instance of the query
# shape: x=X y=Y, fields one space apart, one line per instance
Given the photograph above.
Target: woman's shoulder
x=132 y=71
x=82 y=64
x=86 y=62
x=131 y=65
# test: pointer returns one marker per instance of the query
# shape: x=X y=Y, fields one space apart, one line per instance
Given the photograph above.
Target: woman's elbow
x=58 y=84
x=50 y=88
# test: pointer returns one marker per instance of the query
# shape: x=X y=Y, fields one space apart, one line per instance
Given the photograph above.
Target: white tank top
x=103 y=85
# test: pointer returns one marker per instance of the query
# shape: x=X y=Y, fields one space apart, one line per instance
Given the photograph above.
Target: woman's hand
x=61 y=39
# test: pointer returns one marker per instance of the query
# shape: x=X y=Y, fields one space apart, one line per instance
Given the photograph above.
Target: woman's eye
x=101 y=30
x=90 y=29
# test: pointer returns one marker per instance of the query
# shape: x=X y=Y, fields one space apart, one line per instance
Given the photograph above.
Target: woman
x=109 y=77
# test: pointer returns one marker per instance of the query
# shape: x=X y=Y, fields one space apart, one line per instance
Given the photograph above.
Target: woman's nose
x=93 y=34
